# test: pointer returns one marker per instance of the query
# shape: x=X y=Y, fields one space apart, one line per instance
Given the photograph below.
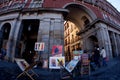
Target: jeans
x=104 y=62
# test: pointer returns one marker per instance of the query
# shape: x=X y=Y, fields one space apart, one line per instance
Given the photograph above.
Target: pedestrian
x=3 y=53
x=97 y=57
x=103 y=55
x=92 y=61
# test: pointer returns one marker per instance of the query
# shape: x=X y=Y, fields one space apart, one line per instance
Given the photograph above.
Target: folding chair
x=26 y=68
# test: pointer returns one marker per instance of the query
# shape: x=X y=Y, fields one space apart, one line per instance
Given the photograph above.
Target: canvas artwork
x=39 y=46
x=55 y=62
x=22 y=64
x=71 y=65
x=57 y=50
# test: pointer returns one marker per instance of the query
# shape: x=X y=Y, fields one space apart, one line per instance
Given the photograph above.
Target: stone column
x=13 y=39
x=43 y=36
x=118 y=43
x=104 y=38
x=51 y=32
x=17 y=36
x=114 y=43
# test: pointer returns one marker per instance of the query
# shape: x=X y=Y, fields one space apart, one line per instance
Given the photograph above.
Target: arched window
x=85 y=21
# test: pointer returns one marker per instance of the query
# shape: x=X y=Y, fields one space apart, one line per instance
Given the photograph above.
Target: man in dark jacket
x=97 y=56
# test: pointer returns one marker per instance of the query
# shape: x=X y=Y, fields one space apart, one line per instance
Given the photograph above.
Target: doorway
x=4 y=35
x=27 y=37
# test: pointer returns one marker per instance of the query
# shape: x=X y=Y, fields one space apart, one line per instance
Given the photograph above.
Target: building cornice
x=45 y=9
x=91 y=25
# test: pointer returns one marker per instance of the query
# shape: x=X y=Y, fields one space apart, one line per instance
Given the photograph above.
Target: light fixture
x=6 y=30
x=29 y=27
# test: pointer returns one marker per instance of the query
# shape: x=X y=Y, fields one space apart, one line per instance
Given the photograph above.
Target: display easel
x=85 y=65
x=26 y=68
x=65 y=74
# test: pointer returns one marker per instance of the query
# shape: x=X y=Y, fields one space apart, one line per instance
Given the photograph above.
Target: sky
x=115 y=3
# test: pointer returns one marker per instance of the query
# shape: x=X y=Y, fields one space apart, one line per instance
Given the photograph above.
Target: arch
x=92 y=42
x=76 y=12
x=78 y=15
x=83 y=7
x=6 y=29
x=4 y=34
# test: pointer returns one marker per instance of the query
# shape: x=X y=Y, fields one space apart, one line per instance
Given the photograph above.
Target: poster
x=71 y=65
x=57 y=50
x=54 y=64
x=39 y=46
x=22 y=63
x=77 y=54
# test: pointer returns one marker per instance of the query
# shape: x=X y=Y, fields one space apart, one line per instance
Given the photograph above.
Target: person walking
x=92 y=61
x=97 y=57
x=104 y=55
x=3 y=53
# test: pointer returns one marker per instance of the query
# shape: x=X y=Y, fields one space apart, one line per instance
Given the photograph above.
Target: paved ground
x=9 y=71
x=111 y=72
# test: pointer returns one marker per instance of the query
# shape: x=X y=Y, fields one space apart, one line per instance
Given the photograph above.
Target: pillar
x=51 y=32
x=104 y=38
x=17 y=36
x=13 y=39
x=114 y=44
x=118 y=43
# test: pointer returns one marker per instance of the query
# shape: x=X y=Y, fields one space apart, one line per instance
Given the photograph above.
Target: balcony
x=19 y=6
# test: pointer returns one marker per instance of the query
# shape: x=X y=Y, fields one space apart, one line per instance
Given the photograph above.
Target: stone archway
x=92 y=42
x=80 y=16
x=4 y=35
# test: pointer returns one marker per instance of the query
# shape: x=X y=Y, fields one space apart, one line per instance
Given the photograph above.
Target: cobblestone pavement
x=9 y=71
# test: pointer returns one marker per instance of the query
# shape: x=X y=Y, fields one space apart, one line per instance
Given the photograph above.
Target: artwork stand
x=65 y=74
x=26 y=68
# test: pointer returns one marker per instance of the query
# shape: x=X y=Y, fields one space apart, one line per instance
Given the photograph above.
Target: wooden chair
x=26 y=68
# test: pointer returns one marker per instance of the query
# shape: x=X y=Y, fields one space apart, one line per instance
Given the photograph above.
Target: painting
x=71 y=65
x=39 y=46
x=55 y=62
x=57 y=50
x=22 y=63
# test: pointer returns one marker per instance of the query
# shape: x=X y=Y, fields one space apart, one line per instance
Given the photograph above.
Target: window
x=85 y=20
x=105 y=16
x=36 y=4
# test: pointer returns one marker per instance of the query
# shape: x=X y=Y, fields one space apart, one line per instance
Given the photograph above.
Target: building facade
x=72 y=41
x=24 y=22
